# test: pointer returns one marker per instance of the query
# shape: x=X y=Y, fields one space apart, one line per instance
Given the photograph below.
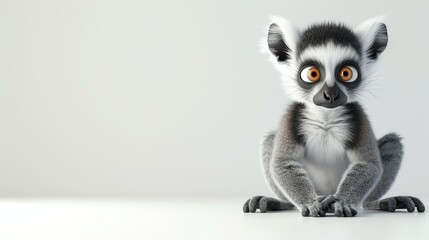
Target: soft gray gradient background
x=171 y=98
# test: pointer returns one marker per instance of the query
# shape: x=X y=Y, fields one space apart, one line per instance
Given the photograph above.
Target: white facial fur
x=329 y=55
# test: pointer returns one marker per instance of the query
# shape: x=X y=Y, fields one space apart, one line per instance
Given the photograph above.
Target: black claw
x=246 y=206
x=354 y=212
x=419 y=204
x=263 y=205
x=347 y=212
x=254 y=203
x=305 y=212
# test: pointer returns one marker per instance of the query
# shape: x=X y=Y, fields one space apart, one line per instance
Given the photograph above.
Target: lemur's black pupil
x=345 y=73
x=314 y=74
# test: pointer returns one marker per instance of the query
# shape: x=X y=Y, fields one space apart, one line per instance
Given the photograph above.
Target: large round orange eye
x=310 y=74
x=348 y=74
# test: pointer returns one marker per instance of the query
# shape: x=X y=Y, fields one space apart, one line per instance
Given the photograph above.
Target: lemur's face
x=329 y=64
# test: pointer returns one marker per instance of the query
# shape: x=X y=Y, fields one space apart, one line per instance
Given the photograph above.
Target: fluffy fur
x=325 y=160
x=324 y=157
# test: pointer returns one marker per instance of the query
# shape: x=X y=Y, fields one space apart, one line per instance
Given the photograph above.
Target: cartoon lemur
x=324 y=156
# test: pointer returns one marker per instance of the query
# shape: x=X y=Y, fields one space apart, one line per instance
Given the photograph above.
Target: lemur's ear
x=373 y=36
x=282 y=38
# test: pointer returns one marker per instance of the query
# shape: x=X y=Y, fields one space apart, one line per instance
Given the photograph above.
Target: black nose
x=330 y=97
x=331 y=94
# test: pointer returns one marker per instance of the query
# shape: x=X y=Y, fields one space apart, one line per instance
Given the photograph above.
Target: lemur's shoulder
x=290 y=121
x=359 y=125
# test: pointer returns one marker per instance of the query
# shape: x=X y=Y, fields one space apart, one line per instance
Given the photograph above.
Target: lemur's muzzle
x=330 y=97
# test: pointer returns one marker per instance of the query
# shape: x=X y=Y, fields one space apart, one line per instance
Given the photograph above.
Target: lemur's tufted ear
x=282 y=39
x=373 y=36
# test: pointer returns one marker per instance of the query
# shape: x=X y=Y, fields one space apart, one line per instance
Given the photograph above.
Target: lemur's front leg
x=293 y=180
x=288 y=173
x=364 y=172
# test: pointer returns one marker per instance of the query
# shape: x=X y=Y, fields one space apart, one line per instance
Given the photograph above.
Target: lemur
x=324 y=157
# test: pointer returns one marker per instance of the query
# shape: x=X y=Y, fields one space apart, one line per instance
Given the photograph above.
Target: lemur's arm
x=287 y=171
x=362 y=175
x=364 y=172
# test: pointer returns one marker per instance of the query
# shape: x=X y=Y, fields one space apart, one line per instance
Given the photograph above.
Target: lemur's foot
x=338 y=206
x=313 y=210
x=265 y=204
x=399 y=202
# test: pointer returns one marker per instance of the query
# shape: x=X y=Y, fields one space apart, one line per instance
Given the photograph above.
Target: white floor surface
x=123 y=219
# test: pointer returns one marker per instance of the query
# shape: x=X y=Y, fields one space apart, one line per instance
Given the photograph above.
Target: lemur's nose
x=331 y=94
x=330 y=97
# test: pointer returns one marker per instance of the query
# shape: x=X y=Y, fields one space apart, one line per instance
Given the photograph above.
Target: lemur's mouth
x=330 y=97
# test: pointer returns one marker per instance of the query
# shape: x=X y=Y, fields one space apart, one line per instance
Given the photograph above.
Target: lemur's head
x=326 y=64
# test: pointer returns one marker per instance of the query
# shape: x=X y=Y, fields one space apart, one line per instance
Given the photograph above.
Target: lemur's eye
x=310 y=74
x=348 y=74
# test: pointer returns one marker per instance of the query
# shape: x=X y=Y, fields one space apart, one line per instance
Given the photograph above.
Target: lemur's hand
x=313 y=209
x=338 y=206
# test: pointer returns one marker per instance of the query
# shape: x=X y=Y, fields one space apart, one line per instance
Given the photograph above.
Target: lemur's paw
x=401 y=202
x=265 y=204
x=312 y=210
x=338 y=206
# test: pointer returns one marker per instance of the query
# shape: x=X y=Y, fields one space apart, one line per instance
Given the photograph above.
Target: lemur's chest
x=325 y=135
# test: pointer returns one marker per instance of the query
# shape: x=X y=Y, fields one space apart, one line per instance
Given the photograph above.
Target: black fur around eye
x=348 y=73
x=310 y=73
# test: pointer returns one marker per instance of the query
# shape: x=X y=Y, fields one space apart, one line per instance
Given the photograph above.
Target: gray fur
x=266 y=153
x=391 y=152
x=324 y=157
x=373 y=168
x=287 y=171
x=365 y=168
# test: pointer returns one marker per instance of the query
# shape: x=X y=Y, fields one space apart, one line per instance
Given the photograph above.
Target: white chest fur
x=326 y=132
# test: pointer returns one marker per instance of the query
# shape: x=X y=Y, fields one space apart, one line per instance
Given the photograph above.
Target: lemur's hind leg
x=399 y=202
x=265 y=204
x=391 y=152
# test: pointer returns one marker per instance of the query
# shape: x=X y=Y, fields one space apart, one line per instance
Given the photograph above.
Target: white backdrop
x=171 y=98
